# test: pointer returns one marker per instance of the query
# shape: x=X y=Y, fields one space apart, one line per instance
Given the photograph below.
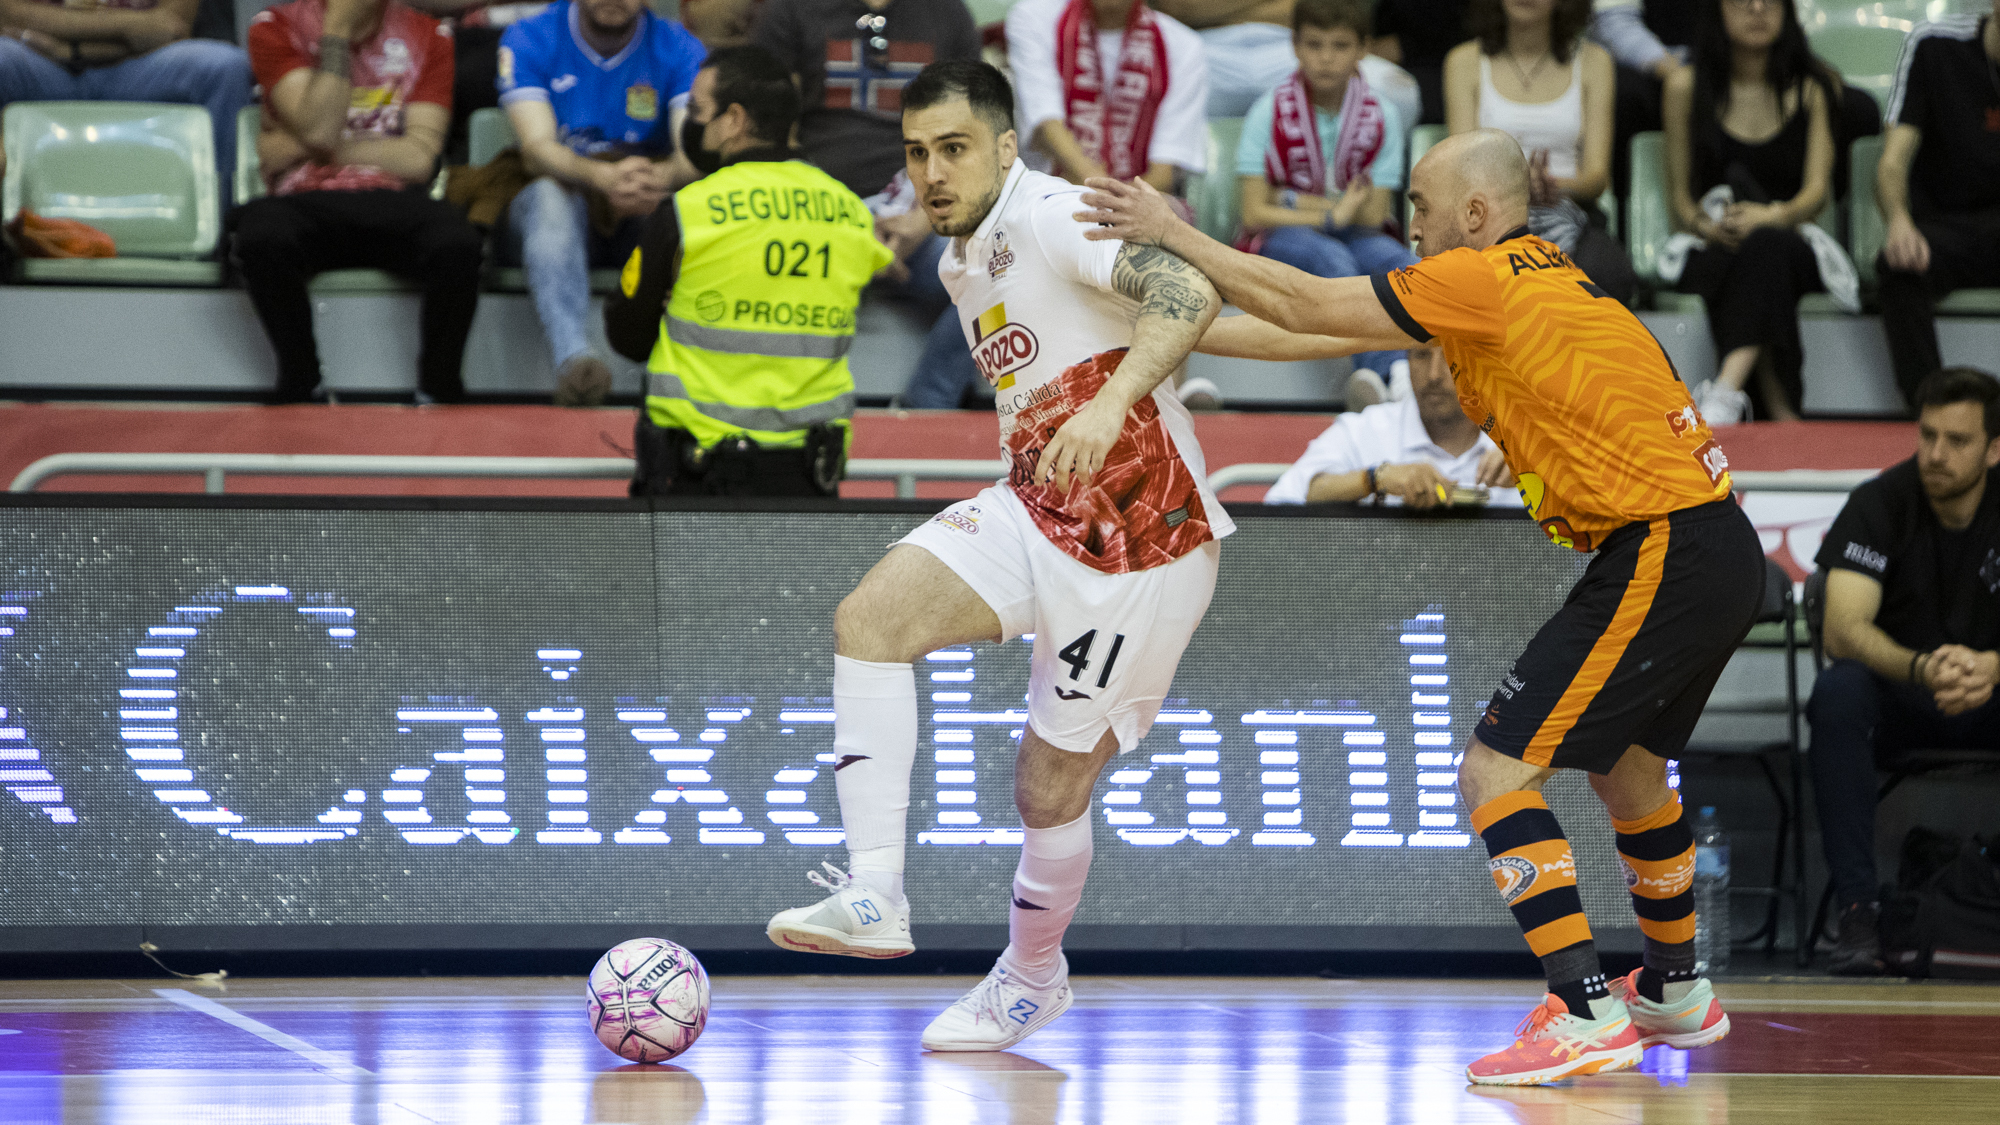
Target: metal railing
x=906 y=472
x=214 y=468
x=1747 y=480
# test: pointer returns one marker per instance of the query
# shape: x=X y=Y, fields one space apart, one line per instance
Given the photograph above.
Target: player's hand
x=1419 y=484
x=1493 y=471
x=1078 y=451
x=1905 y=248
x=1134 y=212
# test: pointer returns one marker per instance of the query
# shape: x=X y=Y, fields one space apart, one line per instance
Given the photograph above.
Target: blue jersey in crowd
x=617 y=103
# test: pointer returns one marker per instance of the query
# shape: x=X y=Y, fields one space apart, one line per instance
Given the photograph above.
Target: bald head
x=1468 y=190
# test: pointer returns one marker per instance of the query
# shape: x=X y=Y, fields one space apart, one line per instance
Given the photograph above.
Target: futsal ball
x=648 y=999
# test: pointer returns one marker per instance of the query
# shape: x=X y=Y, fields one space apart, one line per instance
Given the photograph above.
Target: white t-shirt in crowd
x=1389 y=433
x=1180 y=128
x=1035 y=299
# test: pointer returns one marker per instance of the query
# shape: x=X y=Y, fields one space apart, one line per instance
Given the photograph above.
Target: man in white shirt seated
x=1421 y=451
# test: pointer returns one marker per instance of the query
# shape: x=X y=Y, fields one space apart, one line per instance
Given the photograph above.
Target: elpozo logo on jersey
x=1000 y=348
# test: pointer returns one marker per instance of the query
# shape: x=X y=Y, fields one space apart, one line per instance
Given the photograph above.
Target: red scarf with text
x=1293 y=158
x=1114 y=126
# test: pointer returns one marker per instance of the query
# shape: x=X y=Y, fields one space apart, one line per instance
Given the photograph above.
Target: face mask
x=705 y=160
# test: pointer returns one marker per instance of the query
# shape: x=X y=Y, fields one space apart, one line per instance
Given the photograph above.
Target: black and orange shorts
x=1636 y=648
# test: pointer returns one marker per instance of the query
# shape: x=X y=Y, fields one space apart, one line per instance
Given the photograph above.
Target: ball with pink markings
x=648 y=999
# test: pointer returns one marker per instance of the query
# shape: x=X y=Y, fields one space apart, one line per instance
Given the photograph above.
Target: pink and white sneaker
x=1696 y=1021
x=1552 y=1044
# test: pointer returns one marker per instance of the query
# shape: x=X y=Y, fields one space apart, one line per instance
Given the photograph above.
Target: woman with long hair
x=1529 y=72
x=1751 y=116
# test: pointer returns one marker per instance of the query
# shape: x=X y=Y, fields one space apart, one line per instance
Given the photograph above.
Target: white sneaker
x=1365 y=389
x=853 y=921
x=1721 y=406
x=1399 y=381
x=997 y=1014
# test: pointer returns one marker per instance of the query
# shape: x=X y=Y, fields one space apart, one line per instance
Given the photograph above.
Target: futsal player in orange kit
x=1613 y=460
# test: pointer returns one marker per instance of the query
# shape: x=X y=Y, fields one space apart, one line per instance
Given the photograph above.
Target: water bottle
x=1711 y=894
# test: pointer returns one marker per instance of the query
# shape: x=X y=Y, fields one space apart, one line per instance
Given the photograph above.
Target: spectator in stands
x=357 y=98
x=1416 y=451
x=852 y=59
x=1749 y=158
x=1248 y=42
x=1528 y=72
x=1320 y=162
x=1912 y=621
x=593 y=88
x=1417 y=35
x=1109 y=88
x=124 y=51
x=1939 y=182
x=1648 y=40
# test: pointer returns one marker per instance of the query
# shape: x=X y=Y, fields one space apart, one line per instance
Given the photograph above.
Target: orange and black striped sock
x=1657 y=852
x=1536 y=874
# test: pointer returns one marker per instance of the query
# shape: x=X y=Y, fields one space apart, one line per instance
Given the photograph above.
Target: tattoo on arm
x=1163 y=284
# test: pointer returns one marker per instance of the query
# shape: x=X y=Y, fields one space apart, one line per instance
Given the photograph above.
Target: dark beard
x=595 y=28
x=972 y=221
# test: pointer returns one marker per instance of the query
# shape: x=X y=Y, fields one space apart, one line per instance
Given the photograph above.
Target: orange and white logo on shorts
x=1000 y=348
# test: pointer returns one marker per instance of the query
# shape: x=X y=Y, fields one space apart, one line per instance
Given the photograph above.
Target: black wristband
x=1914 y=674
x=1373 y=488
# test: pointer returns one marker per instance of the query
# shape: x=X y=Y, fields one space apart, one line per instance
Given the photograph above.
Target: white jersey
x=1047 y=330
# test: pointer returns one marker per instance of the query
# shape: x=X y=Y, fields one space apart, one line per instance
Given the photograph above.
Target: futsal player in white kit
x=1102 y=542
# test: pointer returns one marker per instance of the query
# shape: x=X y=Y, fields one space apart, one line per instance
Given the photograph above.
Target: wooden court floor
x=844 y=1049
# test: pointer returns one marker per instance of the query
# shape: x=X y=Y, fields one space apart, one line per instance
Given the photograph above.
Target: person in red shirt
x=357 y=100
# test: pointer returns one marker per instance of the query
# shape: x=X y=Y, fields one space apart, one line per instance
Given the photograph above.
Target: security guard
x=758 y=267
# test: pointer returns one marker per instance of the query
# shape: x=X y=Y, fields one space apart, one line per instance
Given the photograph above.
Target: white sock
x=874 y=725
x=1047 y=886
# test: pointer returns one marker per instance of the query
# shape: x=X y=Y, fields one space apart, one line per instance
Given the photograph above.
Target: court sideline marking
x=341 y=1067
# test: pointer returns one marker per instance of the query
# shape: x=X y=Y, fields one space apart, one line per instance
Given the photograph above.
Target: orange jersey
x=1571 y=386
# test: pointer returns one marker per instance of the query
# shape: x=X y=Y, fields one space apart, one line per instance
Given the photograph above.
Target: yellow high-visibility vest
x=754 y=343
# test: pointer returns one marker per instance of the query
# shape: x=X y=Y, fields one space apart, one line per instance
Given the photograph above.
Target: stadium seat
x=142 y=172
x=490 y=134
x=250 y=185
x=1864 y=56
x=249 y=179
x=1214 y=195
x=1421 y=139
x=986 y=13
x=1865 y=223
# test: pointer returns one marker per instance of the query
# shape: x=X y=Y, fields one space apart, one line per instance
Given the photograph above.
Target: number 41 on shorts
x=1076 y=654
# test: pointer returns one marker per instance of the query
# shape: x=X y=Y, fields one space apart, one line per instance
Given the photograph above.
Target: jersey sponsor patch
x=962 y=518
x=1001 y=348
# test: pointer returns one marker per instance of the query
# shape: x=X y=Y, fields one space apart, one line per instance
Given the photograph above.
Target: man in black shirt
x=1939 y=182
x=1912 y=622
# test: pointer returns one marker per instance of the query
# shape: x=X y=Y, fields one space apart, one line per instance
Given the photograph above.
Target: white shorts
x=1106 y=645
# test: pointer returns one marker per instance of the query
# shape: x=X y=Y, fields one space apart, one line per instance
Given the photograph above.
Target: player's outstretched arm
x=1289 y=298
x=1176 y=304
x=1247 y=337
